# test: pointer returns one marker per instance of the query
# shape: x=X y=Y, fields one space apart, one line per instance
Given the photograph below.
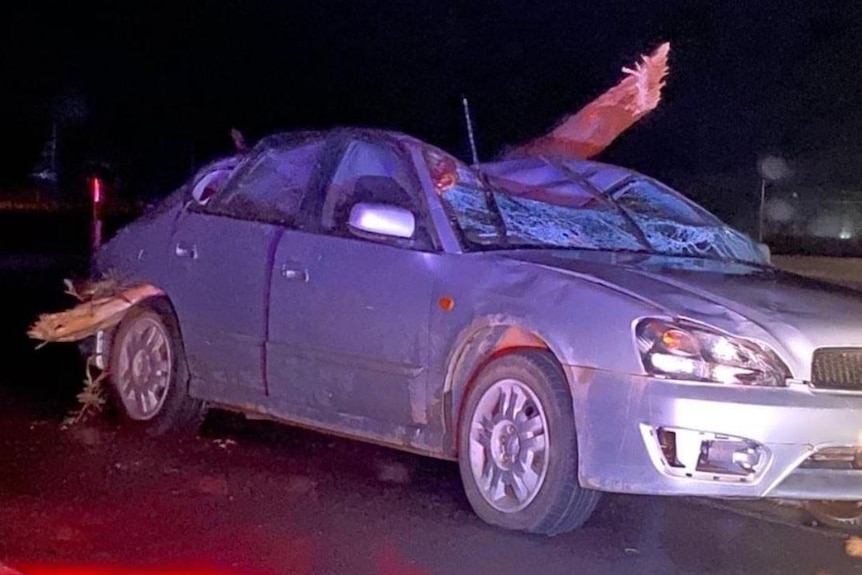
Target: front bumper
x=620 y=420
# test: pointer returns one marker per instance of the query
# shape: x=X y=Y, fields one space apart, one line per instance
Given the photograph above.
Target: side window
x=272 y=188
x=375 y=174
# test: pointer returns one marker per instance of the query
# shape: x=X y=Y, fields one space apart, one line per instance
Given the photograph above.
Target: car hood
x=792 y=313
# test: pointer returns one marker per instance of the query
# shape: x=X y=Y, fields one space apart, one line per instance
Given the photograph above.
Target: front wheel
x=517 y=448
x=149 y=374
x=843 y=515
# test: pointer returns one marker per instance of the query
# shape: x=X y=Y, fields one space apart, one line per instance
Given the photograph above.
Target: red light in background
x=97 y=190
x=118 y=570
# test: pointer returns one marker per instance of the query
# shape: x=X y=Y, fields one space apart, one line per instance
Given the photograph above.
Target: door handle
x=185 y=251
x=294 y=273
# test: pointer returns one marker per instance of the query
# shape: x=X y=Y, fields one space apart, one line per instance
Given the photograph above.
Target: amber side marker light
x=680 y=342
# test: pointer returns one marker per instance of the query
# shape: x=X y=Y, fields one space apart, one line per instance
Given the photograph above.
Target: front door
x=349 y=315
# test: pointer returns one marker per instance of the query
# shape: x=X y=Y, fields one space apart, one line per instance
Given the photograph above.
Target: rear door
x=224 y=250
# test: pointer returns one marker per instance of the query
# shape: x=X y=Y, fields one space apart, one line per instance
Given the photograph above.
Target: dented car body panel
x=288 y=312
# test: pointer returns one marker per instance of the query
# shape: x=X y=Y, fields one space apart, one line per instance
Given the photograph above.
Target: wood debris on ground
x=91 y=399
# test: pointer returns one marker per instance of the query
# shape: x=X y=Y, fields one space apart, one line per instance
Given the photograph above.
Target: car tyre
x=843 y=515
x=149 y=375
x=517 y=446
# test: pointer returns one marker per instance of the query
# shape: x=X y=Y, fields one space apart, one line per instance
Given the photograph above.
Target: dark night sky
x=160 y=83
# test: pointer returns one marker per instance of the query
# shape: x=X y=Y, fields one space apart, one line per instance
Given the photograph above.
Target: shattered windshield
x=675 y=226
x=533 y=223
x=639 y=215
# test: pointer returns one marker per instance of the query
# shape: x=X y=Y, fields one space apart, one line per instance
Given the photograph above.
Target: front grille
x=837 y=368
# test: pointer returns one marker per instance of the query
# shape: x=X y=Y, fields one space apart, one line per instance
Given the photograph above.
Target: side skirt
x=413 y=439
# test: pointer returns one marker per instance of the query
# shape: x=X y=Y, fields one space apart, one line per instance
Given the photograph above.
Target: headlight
x=695 y=353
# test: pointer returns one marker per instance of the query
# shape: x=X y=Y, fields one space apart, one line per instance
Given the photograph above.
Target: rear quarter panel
x=139 y=251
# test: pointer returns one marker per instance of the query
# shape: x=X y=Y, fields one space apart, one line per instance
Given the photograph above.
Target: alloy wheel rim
x=509 y=446
x=145 y=363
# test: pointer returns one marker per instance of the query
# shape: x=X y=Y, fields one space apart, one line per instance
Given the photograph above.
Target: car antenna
x=490 y=200
x=470 y=135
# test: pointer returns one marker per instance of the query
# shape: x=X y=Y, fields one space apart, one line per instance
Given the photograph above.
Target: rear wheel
x=148 y=372
x=517 y=447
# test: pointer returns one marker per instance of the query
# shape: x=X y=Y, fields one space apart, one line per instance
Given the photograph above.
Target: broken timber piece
x=89 y=317
x=591 y=130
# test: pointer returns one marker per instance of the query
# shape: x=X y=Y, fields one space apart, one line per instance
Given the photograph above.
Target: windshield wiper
x=491 y=205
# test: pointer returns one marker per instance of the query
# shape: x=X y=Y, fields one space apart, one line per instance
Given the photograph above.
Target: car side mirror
x=383 y=219
x=764 y=249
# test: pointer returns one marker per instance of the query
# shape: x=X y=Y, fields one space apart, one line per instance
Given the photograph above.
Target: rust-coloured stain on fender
x=583 y=375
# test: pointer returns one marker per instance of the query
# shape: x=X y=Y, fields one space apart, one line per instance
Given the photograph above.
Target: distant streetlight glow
x=771 y=169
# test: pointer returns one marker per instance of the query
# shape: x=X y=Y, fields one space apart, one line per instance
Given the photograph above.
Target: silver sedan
x=560 y=328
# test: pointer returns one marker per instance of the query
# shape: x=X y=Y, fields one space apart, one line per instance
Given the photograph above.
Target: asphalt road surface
x=255 y=497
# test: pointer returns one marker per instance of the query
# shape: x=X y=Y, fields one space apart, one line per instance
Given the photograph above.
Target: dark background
x=153 y=88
